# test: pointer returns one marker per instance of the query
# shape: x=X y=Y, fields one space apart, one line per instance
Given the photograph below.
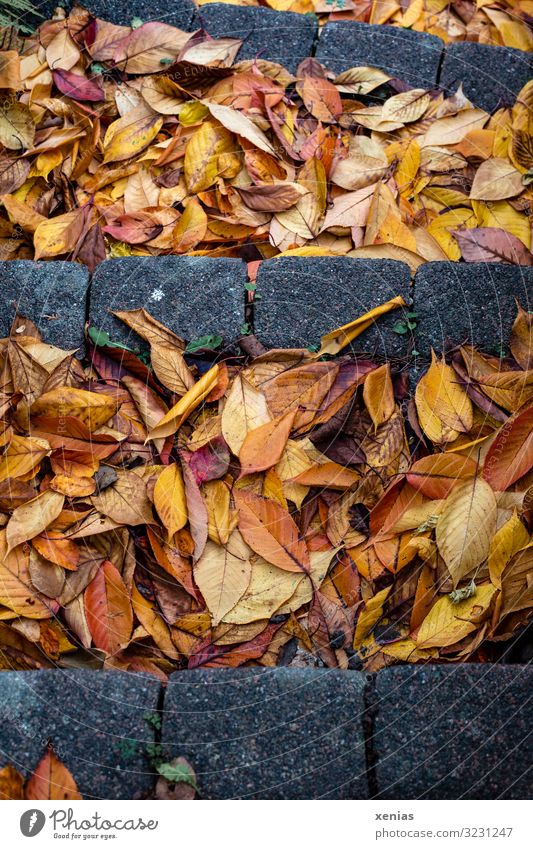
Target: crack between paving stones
x=370 y=710
x=316 y=39
x=440 y=65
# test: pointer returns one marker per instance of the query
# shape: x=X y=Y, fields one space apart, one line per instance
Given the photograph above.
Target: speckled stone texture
x=491 y=76
x=412 y=56
x=270 y=733
x=178 y=13
x=193 y=296
x=283 y=37
x=94 y=720
x=454 y=732
x=471 y=302
x=52 y=294
x=301 y=298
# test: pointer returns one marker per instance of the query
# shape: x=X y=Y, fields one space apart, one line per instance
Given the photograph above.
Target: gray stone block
x=179 y=13
x=469 y=302
x=94 y=720
x=491 y=75
x=51 y=294
x=412 y=56
x=193 y=296
x=284 y=37
x=270 y=733
x=454 y=732
x=301 y=298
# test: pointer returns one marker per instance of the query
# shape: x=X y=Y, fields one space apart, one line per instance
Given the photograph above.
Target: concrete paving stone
x=469 y=302
x=51 y=294
x=284 y=37
x=95 y=720
x=270 y=733
x=454 y=732
x=412 y=56
x=193 y=296
x=491 y=76
x=301 y=298
x=179 y=13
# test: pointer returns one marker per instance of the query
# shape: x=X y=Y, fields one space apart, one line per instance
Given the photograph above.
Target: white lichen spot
x=157 y=295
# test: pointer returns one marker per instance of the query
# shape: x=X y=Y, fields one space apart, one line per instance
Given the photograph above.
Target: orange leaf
x=436 y=475
x=51 y=780
x=271 y=532
x=11 y=783
x=511 y=454
x=264 y=445
x=108 y=609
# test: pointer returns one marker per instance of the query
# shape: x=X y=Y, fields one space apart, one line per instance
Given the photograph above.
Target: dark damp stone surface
x=412 y=56
x=52 y=294
x=96 y=722
x=491 y=75
x=269 y=733
x=454 y=732
x=469 y=303
x=193 y=296
x=283 y=37
x=302 y=298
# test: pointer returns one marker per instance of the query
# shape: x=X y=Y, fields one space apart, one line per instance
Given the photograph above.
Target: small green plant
x=406 y=324
x=153 y=719
x=204 y=343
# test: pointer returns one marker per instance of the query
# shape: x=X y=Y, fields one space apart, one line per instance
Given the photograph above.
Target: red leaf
x=77 y=86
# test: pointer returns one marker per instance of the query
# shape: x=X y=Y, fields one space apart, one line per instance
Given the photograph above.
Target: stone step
x=97 y=722
x=454 y=732
x=269 y=733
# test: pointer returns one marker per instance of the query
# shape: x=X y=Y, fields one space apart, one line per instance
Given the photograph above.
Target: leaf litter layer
x=173 y=510
x=149 y=140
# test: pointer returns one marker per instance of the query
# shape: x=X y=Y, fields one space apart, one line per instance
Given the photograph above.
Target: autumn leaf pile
x=147 y=141
x=504 y=22
x=284 y=507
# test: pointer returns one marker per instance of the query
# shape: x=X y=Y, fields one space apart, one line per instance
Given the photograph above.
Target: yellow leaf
x=336 y=340
x=17 y=129
x=448 y=623
x=408 y=106
x=170 y=499
x=441 y=227
x=501 y=214
x=444 y=409
x=496 y=179
x=413 y=13
x=173 y=420
x=238 y=123
x=190 y=229
x=130 y=134
x=244 y=410
x=223 y=575
x=378 y=395
x=506 y=542
x=33 y=517
x=370 y=616
x=407 y=168
x=201 y=166
x=516 y=34
x=465 y=527
x=92 y=408
x=22 y=456
x=59 y=235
